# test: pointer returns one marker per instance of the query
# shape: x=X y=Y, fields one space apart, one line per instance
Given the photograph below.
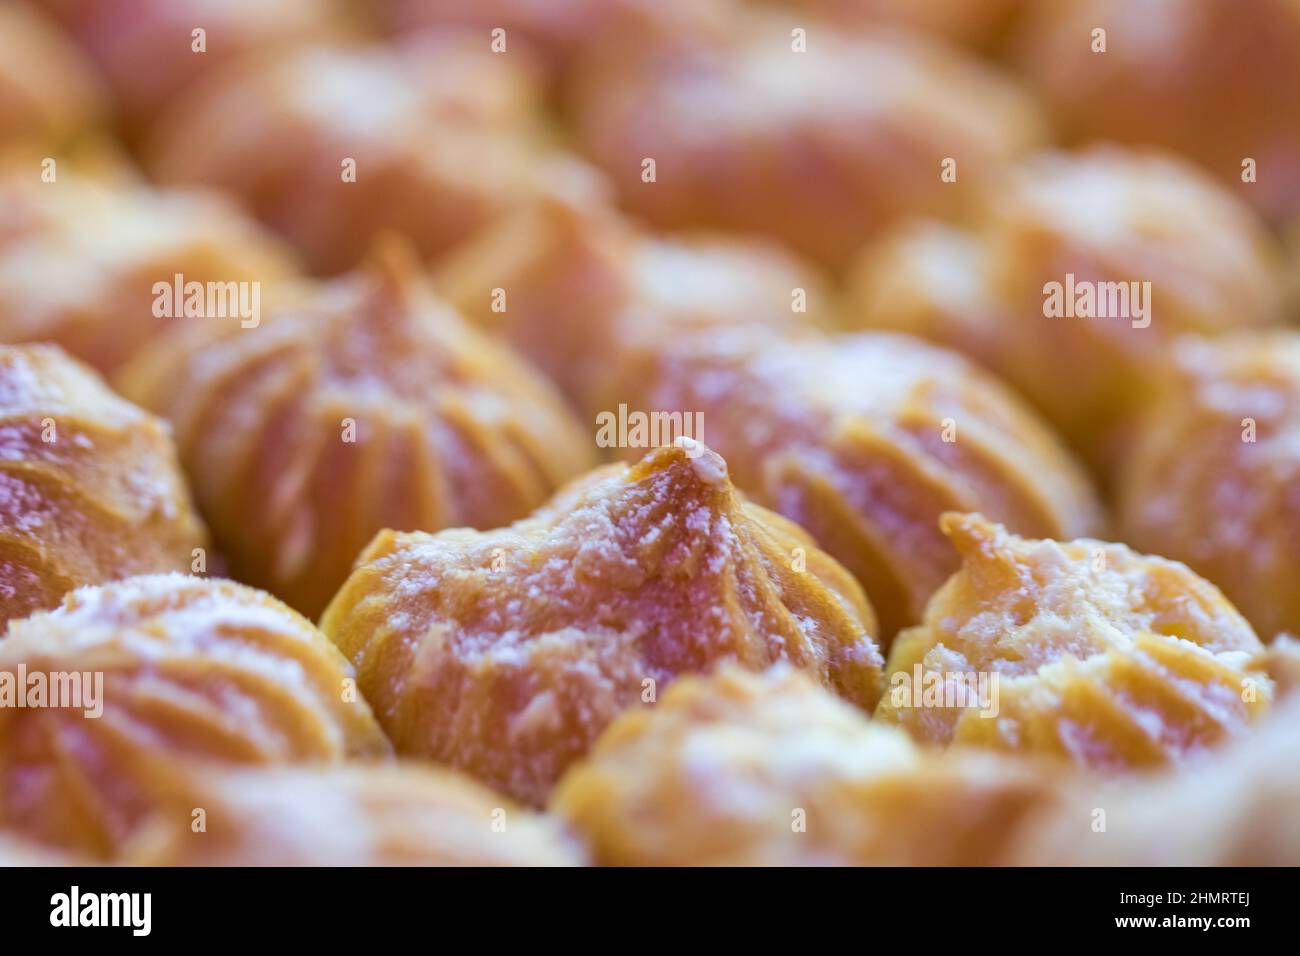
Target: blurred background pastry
x=1213 y=477
x=81 y=257
x=333 y=144
x=821 y=147
x=353 y=405
x=1215 y=80
x=1102 y=215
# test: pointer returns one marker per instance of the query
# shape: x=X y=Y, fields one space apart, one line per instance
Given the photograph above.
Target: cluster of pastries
x=638 y=432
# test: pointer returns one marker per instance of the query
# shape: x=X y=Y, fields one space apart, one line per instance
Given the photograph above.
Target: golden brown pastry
x=506 y=652
x=978 y=23
x=556 y=32
x=1077 y=220
x=148 y=51
x=1080 y=649
x=741 y=769
x=105 y=694
x=355 y=404
x=355 y=815
x=332 y=145
x=90 y=488
x=83 y=258
x=865 y=440
x=820 y=138
x=1215 y=79
x=1212 y=475
x=48 y=94
x=573 y=285
x=1237 y=808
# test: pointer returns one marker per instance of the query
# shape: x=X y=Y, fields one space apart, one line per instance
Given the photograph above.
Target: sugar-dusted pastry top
x=506 y=652
x=170 y=667
x=574 y=285
x=359 y=814
x=1075 y=278
x=1107 y=657
x=1212 y=473
x=90 y=487
x=742 y=769
x=81 y=257
x=354 y=405
x=796 y=128
x=865 y=440
x=333 y=145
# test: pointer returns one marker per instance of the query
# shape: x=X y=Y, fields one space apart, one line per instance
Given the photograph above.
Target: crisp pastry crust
x=864 y=440
x=1102 y=215
x=1213 y=472
x=146 y=48
x=1213 y=80
x=48 y=94
x=356 y=404
x=355 y=815
x=573 y=286
x=80 y=257
x=506 y=652
x=741 y=769
x=432 y=157
x=191 y=668
x=1109 y=658
x=1237 y=808
x=90 y=488
x=821 y=148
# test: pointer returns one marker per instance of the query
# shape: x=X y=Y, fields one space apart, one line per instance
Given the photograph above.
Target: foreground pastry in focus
x=354 y=405
x=821 y=147
x=82 y=258
x=864 y=440
x=1235 y=808
x=1213 y=477
x=1109 y=658
x=148 y=51
x=1154 y=245
x=48 y=94
x=573 y=286
x=353 y=815
x=743 y=769
x=333 y=145
x=1216 y=80
x=171 y=667
x=506 y=652
x=90 y=488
